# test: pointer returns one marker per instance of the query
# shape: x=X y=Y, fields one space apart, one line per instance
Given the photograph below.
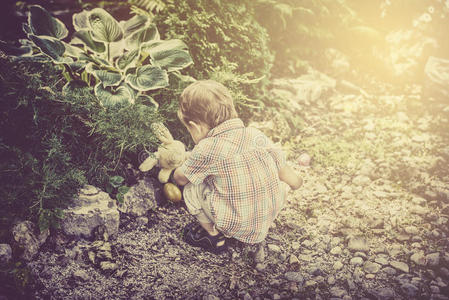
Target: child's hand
x=289 y=176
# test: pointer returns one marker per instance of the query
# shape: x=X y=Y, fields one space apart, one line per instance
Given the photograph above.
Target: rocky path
x=371 y=221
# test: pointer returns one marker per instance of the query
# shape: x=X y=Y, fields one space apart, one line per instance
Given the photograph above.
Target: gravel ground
x=371 y=220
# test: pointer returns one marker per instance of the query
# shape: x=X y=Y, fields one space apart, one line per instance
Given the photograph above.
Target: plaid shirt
x=241 y=166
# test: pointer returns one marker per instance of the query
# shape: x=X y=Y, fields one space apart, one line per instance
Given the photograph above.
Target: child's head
x=207 y=102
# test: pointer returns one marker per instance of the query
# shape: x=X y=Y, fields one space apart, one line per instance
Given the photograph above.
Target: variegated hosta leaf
x=42 y=23
x=77 y=66
x=163 y=45
x=108 y=78
x=137 y=22
x=145 y=99
x=116 y=49
x=171 y=60
x=83 y=37
x=50 y=46
x=72 y=85
x=137 y=38
x=104 y=27
x=81 y=20
x=127 y=60
x=111 y=96
x=148 y=78
x=72 y=51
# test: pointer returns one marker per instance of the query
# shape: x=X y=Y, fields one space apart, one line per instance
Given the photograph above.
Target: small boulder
x=140 y=198
x=5 y=253
x=90 y=209
x=27 y=238
x=358 y=243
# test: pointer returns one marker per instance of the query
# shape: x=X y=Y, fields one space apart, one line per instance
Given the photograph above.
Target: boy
x=234 y=178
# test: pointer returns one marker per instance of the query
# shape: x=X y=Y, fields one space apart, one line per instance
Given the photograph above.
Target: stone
x=89 y=210
x=384 y=293
x=338 y=265
x=210 y=297
x=418 y=258
x=411 y=230
x=336 y=250
x=293 y=259
x=361 y=180
x=81 y=275
x=274 y=248
x=141 y=221
x=260 y=267
x=371 y=267
x=433 y=259
x=358 y=243
x=5 y=253
x=259 y=254
x=356 y=261
x=294 y=276
x=331 y=280
x=389 y=271
x=26 y=237
x=381 y=260
x=410 y=290
x=140 y=198
x=337 y=292
x=401 y=266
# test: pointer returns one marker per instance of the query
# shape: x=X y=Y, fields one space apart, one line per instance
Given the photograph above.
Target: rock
x=260 y=267
x=361 y=180
x=81 y=275
x=294 y=276
x=371 y=267
x=140 y=198
x=410 y=290
x=337 y=292
x=259 y=254
x=433 y=259
x=358 y=243
x=293 y=260
x=5 y=253
x=411 y=230
x=210 y=297
x=336 y=250
x=381 y=260
x=401 y=266
x=27 y=238
x=418 y=258
x=141 y=221
x=88 y=211
x=331 y=280
x=356 y=261
x=338 y=265
x=274 y=248
x=384 y=293
x=389 y=271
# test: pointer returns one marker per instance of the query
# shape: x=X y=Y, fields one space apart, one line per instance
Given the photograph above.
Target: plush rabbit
x=170 y=154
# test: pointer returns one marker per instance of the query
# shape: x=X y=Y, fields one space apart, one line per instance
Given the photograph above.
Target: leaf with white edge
x=111 y=96
x=81 y=20
x=72 y=51
x=137 y=22
x=77 y=66
x=50 y=46
x=163 y=45
x=116 y=49
x=137 y=38
x=84 y=37
x=148 y=78
x=145 y=99
x=42 y=23
x=104 y=27
x=171 y=60
x=108 y=78
x=127 y=60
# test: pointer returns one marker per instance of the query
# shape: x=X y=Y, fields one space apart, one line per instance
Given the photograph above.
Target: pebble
x=371 y=267
x=337 y=292
x=361 y=180
x=81 y=275
x=336 y=250
x=338 y=265
x=5 y=253
x=259 y=255
x=294 y=276
x=356 y=261
x=142 y=221
x=360 y=254
x=274 y=248
x=410 y=290
x=260 y=267
x=385 y=293
x=381 y=260
x=295 y=245
x=389 y=271
x=418 y=258
x=358 y=243
x=401 y=266
x=293 y=259
x=433 y=259
x=331 y=280
x=411 y=230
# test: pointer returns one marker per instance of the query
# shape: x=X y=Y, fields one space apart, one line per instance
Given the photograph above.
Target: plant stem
x=108 y=48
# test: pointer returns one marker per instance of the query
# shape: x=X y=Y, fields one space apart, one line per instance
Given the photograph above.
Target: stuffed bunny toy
x=170 y=154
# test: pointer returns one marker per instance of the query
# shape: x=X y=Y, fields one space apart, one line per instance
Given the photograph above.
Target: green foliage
x=53 y=143
x=300 y=30
x=116 y=188
x=123 y=60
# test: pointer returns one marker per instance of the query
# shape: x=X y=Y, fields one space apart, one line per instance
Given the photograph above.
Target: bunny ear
x=162 y=133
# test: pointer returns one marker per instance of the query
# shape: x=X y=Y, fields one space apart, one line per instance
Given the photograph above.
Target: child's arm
x=288 y=175
x=179 y=177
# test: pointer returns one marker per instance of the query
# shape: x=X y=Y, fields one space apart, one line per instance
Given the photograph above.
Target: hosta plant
x=124 y=61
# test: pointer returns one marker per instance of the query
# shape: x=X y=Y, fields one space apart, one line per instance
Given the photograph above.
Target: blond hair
x=207 y=101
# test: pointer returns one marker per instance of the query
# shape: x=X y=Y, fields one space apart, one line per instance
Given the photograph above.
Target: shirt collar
x=225 y=126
